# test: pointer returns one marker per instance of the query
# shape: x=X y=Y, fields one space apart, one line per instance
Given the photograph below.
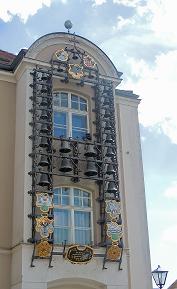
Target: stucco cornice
x=7 y=76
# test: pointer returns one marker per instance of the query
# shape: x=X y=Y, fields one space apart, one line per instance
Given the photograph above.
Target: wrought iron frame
x=42 y=88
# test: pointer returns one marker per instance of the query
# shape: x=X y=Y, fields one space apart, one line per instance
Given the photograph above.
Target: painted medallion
x=114 y=231
x=43 y=249
x=76 y=71
x=61 y=55
x=113 y=208
x=88 y=61
x=44 y=202
x=44 y=226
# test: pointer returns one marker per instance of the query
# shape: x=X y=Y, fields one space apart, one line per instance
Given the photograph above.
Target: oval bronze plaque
x=79 y=255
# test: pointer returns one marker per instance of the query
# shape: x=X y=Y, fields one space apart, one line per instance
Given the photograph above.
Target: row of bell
x=65 y=148
x=66 y=166
x=45 y=102
x=44 y=180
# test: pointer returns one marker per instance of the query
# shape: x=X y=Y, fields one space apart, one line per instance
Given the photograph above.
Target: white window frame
x=73 y=208
x=70 y=111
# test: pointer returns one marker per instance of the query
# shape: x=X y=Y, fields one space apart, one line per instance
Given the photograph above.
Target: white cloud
x=122 y=22
x=171 y=192
x=157 y=87
x=162 y=20
x=98 y=2
x=128 y=3
x=22 y=8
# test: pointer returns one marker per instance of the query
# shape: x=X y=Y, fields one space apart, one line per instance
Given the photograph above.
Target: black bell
x=106 y=101
x=90 y=151
x=108 y=125
x=65 y=147
x=44 y=102
x=44 y=128
x=119 y=221
x=44 y=180
x=75 y=57
x=107 y=113
x=44 y=115
x=110 y=169
x=43 y=161
x=44 y=89
x=110 y=153
x=44 y=76
x=109 y=138
x=90 y=75
x=44 y=143
x=65 y=166
x=91 y=169
x=111 y=188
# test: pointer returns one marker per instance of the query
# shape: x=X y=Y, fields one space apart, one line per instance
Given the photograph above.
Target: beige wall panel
x=7 y=129
x=135 y=206
x=5 y=267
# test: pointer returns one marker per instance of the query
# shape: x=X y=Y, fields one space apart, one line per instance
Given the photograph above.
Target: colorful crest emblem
x=88 y=61
x=44 y=202
x=43 y=249
x=61 y=55
x=44 y=226
x=114 y=231
x=76 y=71
x=113 y=208
x=114 y=253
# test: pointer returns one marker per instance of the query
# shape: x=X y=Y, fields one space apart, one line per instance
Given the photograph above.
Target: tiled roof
x=6 y=58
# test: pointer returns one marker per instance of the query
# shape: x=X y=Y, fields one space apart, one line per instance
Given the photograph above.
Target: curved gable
x=43 y=49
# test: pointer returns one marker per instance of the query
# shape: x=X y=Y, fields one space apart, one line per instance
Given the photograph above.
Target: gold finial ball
x=68 y=24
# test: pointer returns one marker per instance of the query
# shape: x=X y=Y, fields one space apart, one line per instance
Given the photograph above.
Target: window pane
x=74 y=102
x=60 y=118
x=83 y=104
x=62 y=235
x=60 y=132
x=86 y=194
x=64 y=99
x=77 y=202
x=76 y=192
x=86 y=202
x=82 y=219
x=78 y=134
x=61 y=218
x=56 y=100
x=82 y=236
x=66 y=191
x=79 y=121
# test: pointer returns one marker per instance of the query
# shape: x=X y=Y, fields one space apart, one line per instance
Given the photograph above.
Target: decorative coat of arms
x=44 y=201
x=113 y=208
x=114 y=253
x=88 y=61
x=44 y=226
x=43 y=249
x=61 y=55
x=76 y=71
x=114 y=231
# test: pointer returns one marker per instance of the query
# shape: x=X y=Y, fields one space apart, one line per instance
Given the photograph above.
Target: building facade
x=73 y=211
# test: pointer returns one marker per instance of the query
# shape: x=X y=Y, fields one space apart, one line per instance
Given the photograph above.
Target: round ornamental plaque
x=76 y=71
x=43 y=249
x=88 y=61
x=61 y=55
x=114 y=253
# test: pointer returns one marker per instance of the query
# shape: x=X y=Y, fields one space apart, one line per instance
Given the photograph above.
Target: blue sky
x=140 y=37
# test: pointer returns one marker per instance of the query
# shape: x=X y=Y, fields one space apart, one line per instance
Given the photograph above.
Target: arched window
x=72 y=216
x=70 y=115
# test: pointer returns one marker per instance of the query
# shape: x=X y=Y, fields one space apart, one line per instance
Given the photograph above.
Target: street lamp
x=159 y=276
